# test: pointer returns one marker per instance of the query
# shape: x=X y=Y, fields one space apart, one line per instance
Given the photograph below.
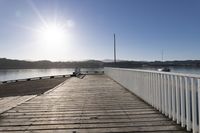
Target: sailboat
x=163 y=69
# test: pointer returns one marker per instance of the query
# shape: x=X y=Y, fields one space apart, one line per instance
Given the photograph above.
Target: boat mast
x=114 y=49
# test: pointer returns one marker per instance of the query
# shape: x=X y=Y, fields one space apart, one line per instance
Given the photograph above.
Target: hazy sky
x=84 y=29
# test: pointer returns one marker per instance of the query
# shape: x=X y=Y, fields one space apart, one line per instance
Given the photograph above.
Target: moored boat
x=164 y=69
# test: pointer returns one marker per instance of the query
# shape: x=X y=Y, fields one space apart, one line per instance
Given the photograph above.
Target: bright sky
x=62 y=30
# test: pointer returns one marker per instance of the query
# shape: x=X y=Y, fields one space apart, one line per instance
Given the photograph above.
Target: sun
x=53 y=34
x=53 y=38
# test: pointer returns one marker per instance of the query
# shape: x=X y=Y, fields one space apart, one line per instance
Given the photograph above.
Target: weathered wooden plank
x=16 y=115
x=9 y=103
x=73 y=112
x=24 y=122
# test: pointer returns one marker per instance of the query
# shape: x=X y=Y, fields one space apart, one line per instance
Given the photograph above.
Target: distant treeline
x=136 y=64
x=20 y=64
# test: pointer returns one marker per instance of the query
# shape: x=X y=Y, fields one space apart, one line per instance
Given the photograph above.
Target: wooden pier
x=91 y=104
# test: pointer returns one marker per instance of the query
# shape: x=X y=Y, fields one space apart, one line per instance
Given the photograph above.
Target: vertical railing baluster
x=199 y=103
x=166 y=101
x=139 y=83
x=173 y=99
x=163 y=96
x=157 y=100
x=154 y=91
x=148 y=86
x=150 y=89
x=194 y=103
x=188 y=106
x=177 y=100
x=169 y=96
x=160 y=92
x=143 y=85
x=182 y=87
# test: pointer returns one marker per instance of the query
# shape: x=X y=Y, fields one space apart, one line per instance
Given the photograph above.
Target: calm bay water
x=12 y=74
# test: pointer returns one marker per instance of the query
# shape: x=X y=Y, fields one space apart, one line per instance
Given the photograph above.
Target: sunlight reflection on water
x=12 y=74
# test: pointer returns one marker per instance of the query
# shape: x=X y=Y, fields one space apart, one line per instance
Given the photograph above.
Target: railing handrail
x=158 y=72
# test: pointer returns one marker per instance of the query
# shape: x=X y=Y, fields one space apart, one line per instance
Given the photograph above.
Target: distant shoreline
x=20 y=64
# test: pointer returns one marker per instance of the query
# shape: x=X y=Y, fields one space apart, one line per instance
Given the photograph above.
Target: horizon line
x=104 y=60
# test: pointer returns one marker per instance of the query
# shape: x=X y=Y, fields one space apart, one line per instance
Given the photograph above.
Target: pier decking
x=94 y=103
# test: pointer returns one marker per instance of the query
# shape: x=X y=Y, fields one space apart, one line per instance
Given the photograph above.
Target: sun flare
x=53 y=38
x=53 y=34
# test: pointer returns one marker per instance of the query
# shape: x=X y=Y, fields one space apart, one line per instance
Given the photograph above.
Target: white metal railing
x=175 y=95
